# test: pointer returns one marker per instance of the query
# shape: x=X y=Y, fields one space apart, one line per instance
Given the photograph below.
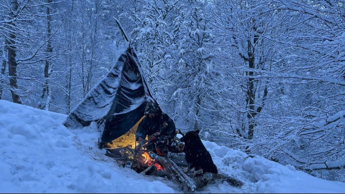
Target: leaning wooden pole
x=121 y=29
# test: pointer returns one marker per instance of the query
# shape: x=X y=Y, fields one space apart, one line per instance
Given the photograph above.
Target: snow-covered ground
x=39 y=154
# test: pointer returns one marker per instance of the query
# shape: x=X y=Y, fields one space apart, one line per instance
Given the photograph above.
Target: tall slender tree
x=46 y=93
x=3 y=70
x=250 y=54
x=12 y=48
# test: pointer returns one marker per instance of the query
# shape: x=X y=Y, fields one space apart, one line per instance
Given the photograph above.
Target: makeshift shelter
x=117 y=103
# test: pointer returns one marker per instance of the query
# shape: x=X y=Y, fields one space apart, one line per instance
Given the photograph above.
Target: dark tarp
x=118 y=100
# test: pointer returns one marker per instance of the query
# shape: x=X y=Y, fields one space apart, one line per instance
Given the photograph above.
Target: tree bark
x=197 y=113
x=12 y=53
x=46 y=93
x=2 y=78
x=250 y=100
x=68 y=95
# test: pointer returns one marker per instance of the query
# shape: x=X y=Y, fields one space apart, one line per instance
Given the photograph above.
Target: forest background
x=266 y=77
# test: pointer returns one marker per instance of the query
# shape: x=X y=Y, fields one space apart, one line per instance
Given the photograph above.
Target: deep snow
x=39 y=154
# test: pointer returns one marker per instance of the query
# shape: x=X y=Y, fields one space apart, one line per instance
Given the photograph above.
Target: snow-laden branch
x=335 y=117
x=283 y=76
x=338 y=164
x=39 y=48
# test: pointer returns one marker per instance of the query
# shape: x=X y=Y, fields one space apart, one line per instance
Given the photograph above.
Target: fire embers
x=149 y=161
x=146 y=164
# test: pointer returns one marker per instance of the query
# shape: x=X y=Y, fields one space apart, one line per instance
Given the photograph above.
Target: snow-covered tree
x=242 y=27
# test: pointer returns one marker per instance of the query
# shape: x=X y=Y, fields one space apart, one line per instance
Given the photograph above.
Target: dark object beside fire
x=173 y=166
x=197 y=155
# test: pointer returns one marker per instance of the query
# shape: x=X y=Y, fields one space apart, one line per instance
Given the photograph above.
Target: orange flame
x=158 y=167
x=149 y=161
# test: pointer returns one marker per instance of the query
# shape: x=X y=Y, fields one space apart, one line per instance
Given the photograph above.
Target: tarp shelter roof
x=117 y=103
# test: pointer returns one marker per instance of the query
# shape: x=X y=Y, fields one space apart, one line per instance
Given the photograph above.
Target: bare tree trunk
x=250 y=100
x=252 y=89
x=69 y=86
x=89 y=45
x=3 y=70
x=83 y=59
x=46 y=94
x=197 y=113
x=2 y=78
x=69 y=75
x=93 y=40
x=12 y=53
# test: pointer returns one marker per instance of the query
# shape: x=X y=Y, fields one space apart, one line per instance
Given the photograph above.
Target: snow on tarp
x=119 y=99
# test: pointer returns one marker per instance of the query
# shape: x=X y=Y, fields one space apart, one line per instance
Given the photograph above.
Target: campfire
x=122 y=149
x=150 y=161
x=146 y=163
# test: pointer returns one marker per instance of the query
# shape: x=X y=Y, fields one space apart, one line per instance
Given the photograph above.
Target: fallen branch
x=338 y=164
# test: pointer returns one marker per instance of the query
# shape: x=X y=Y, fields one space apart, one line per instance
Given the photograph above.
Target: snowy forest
x=265 y=77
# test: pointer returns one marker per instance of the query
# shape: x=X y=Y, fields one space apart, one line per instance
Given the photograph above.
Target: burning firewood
x=176 y=173
x=150 y=163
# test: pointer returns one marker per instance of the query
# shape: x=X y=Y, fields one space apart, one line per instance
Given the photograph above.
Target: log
x=184 y=181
